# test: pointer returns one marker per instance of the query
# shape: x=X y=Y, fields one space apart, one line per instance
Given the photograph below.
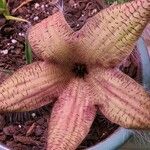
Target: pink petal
x=71 y=118
x=32 y=87
x=109 y=37
x=49 y=39
x=120 y=98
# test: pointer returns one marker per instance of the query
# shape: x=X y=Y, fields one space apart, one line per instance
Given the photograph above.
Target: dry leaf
x=22 y=4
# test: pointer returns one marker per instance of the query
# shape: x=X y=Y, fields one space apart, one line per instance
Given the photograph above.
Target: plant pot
x=114 y=141
x=3 y=147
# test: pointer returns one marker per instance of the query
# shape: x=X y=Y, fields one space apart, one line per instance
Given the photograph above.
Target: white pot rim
x=114 y=141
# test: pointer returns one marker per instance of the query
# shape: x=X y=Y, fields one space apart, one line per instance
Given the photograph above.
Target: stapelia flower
x=80 y=69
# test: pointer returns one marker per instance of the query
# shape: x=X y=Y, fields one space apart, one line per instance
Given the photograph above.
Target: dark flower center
x=80 y=70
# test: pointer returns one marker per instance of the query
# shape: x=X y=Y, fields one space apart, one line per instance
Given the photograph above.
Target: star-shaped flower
x=80 y=69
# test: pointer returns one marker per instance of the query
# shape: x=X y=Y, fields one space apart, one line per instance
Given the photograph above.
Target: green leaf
x=3 y=4
x=28 y=53
x=118 y=1
x=2 y=10
x=15 y=18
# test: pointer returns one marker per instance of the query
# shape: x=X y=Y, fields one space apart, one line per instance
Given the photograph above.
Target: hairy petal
x=71 y=118
x=108 y=37
x=50 y=39
x=120 y=98
x=32 y=87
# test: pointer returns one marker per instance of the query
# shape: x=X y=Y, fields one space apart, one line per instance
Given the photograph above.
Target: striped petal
x=121 y=99
x=49 y=39
x=108 y=37
x=71 y=118
x=32 y=87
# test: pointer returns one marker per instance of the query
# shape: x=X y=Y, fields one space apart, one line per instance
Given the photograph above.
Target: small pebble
x=75 y=5
x=20 y=34
x=4 y=52
x=78 y=25
x=33 y=115
x=36 y=18
x=14 y=41
x=36 y=5
x=94 y=11
x=42 y=6
x=23 y=34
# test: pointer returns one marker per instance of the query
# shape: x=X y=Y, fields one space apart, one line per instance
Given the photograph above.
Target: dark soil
x=28 y=130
